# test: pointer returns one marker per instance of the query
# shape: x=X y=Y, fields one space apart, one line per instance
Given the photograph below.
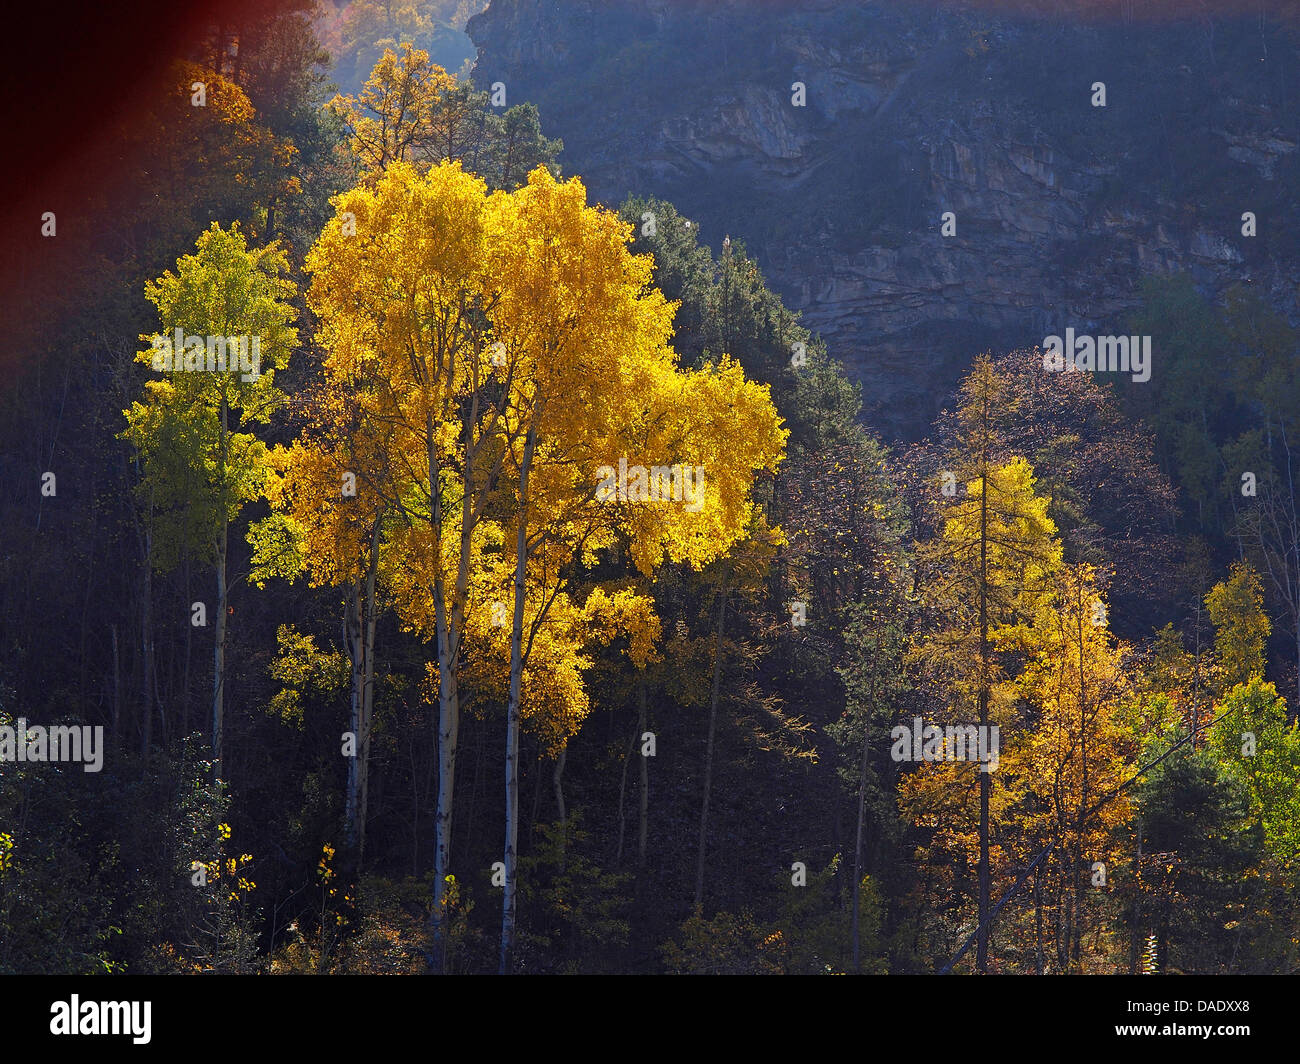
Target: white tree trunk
x=512 y=710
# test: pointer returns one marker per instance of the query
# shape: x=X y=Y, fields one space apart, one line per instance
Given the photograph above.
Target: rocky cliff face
x=913 y=110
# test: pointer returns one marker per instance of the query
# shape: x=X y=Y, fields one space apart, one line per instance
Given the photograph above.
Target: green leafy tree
x=1241 y=627
x=1256 y=745
x=231 y=307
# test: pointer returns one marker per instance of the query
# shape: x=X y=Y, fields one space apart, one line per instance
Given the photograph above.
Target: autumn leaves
x=495 y=348
x=483 y=355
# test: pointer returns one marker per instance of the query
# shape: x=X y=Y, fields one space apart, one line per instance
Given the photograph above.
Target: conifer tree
x=987 y=567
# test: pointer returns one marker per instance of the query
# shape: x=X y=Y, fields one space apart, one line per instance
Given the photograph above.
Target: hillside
x=1061 y=207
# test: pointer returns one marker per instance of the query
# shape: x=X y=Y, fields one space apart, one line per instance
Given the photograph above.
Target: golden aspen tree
x=561 y=634
x=400 y=289
x=392 y=119
x=510 y=353
x=411 y=110
x=595 y=392
x=327 y=521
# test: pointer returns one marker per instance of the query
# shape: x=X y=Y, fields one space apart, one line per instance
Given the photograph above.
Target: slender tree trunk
x=1080 y=887
x=449 y=623
x=558 y=778
x=1062 y=929
x=1081 y=881
x=189 y=646
x=512 y=709
x=448 y=724
x=219 y=649
x=448 y=737
x=1038 y=920
x=478 y=778
x=146 y=647
x=371 y=612
x=158 y=703
x=982 y=932
x=622 y=793
x=117 y=684
x=219 y=659
x=708 y=756
x=352 y=627
x=537 y=791
x=415 y=810
x=1135 y=930
x=642 y=820
x=857 y=846
x=219 y=49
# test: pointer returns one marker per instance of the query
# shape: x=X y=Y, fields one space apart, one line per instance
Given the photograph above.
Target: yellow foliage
x=469 y=330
